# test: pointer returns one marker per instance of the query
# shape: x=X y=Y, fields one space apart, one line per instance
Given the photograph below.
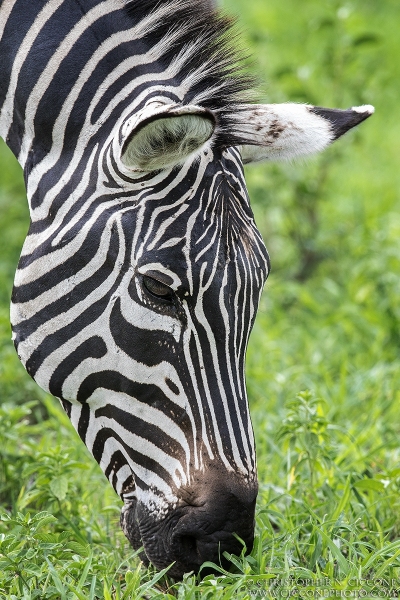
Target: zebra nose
x=205 y=533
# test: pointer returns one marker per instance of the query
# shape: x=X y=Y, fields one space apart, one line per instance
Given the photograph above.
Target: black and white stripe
x=153 y=394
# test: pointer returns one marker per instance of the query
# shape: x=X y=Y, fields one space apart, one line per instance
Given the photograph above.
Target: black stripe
x=94 y=347
x=144 y=429
x=146 y=393
x=148 y=463
x=145 y=346
x=83 y=422
x=117 y=461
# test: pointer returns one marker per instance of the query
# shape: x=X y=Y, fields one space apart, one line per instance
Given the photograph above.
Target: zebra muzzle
x=191 y=535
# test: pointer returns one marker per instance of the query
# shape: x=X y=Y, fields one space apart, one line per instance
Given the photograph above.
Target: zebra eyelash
x=158 y=289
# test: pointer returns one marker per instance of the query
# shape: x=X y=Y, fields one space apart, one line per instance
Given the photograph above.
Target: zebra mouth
x=191 y=535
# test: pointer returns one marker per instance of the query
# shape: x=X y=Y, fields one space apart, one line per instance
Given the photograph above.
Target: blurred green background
x=329 y=322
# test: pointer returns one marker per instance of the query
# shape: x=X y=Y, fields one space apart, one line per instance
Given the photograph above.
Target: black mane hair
x=225 y=87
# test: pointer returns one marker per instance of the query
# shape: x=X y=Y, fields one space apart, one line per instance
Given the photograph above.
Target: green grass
x=323 y=363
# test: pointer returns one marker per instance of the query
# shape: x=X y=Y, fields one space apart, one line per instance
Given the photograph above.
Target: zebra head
x=142 y=270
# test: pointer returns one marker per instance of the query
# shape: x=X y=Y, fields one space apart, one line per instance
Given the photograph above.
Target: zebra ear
x=163 y=136
x=285 y=131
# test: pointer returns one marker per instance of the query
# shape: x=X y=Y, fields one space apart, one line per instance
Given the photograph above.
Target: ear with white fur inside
x=163 y=136
x=286 y=131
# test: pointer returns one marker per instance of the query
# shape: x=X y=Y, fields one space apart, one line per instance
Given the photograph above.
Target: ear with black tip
x=162 y=136
x=286 y=131
x=343 y=120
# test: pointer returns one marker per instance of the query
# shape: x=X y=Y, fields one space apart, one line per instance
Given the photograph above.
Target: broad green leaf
x=59 y=487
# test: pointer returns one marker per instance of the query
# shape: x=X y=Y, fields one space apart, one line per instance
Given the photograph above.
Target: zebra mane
x=208 y=41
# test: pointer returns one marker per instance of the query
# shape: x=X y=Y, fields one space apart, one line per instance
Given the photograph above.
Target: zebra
x=141 y=273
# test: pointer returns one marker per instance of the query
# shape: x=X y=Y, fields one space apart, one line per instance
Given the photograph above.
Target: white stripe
x=204 y=441
x=5 y=11
x=123 y=474
x=7 y=111
x=116 y=360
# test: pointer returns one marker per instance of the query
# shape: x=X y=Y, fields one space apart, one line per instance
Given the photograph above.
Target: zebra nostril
x=186 y=548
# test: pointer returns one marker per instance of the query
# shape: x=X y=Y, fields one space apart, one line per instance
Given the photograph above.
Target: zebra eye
x=156 y=288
